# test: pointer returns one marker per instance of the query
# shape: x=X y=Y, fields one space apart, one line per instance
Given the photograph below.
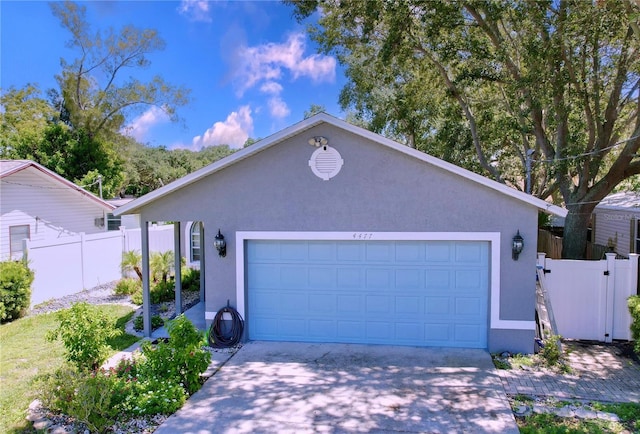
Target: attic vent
x=326 y=162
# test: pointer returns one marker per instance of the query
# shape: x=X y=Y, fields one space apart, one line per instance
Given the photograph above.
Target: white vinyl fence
x=589 y=298
x=69 y=265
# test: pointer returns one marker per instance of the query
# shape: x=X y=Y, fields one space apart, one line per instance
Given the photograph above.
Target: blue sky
x=251 y=68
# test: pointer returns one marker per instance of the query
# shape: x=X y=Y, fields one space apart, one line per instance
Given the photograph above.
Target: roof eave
x=135 y=206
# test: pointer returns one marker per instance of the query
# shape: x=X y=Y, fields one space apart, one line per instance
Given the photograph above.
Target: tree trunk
x=576 y=226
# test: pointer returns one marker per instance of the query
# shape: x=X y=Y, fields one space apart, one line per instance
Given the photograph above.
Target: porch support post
x=177 y=266
x=146 y=292
x=202 y=261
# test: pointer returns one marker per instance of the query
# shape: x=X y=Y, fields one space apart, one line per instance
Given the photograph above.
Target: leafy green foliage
x=190 y=279
x=98 y=88
x=154 y=396
x=23 y=120
x=156 y=323
x=484 y=84
x=132 y=262
x=84 y=331
x=87 y=397
x=160 y=264
x=180 y=360
x=15 y=290
x=128 y=286
x=634 y=308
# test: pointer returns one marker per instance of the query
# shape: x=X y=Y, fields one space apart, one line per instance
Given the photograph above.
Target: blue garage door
x=422 y=293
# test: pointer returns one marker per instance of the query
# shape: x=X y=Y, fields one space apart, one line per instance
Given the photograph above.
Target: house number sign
x=362 y=235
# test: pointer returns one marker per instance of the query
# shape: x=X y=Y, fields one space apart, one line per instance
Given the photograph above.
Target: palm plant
x=132 y=261
x=160 y=265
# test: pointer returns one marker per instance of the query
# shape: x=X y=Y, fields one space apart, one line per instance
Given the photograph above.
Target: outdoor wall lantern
x=517 y=246
x=220 y=244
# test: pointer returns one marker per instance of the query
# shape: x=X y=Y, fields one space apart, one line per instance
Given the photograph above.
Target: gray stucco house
x=337 y=234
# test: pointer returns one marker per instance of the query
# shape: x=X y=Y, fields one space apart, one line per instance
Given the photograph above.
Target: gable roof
x=11 y=167
x=622 y=201
x=323 y=118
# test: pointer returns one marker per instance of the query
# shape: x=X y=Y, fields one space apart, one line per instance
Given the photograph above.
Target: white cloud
x=271 y=88
x=268 y=62
x=195 y=10
x=278 y=108
x=234 y=131
x=140 y=126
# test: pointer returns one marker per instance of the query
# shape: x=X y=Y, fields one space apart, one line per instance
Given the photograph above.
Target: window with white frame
x=16 y=235
x=195 y=242
x=113 y=222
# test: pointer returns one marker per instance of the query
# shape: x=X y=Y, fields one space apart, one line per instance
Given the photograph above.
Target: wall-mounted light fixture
x=517 y=246
x=220 y=244
x=318 y=141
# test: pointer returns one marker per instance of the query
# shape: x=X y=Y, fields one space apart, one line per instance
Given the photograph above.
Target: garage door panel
x=320 y=329
x=322 y=277
x=410 y=252
x=379 y=304
x=438 y=306
x=263 y=251
x=470 y=280
x=468 y=306
x=408 y=332
x=378 y=278
x=350 y=330
x=350 y=252
x=291 y=276
x=421 y=293
x=409 y=279
x=472 y=253
x=438 y=333
x=407 y=306
x=322 y=251
x=466 y=333
x=264 y=276
x=323 y=303
x=349 y=277
x=437 y=279
x=438 y=251
x=380 y=252
x=349 y=304
x=380 y=331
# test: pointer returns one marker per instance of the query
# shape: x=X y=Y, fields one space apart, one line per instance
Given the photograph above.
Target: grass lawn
x=25 y=353
x=629 y=414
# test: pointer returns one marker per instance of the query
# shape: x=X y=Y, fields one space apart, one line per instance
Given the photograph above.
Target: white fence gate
x=71 y=264
x=589 y=298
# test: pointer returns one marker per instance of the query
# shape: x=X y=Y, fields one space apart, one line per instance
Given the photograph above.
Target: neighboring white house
x=616 y=222
x=38 y=204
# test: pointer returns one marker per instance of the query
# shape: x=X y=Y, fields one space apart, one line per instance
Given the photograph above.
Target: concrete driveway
x=278 y=387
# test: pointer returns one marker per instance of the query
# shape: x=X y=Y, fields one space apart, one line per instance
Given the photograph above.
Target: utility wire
x=586 y=154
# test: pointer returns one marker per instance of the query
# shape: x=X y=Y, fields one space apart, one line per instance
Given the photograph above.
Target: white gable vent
x=326 y=162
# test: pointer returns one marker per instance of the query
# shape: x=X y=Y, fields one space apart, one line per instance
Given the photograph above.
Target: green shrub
x=156 y=323
x=86 y=397
x=84 y=331
x=128 y=286
x=136 y=296
x=634 y=308
x=164 y=290
x=551 y=352
x=190 y=279
x=15 y=290
x=160 y=292
x=180 y=360
x=153 y=396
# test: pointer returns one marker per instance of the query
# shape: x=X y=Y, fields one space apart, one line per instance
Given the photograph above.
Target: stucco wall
x=377 y=190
